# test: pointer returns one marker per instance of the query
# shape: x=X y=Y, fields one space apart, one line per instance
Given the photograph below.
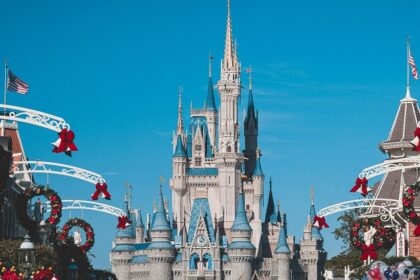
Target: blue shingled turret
x=251 y=109
x=210 y=102
x=258 y=170
x=282 y=247
x=316 y=234
x=160 y=222
x=128 y=231
x=241 y=221
x=140 y=223
x=179 y=150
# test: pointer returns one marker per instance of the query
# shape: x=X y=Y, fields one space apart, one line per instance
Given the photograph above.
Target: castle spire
x=282 y=247
x=230 y=56
x=270 y=216
x=180 y=124
x=210 y=101
x=316 y=234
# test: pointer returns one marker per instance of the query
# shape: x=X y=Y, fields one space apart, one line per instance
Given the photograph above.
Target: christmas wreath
x=22 y=205
x=90 y=235
x=409 y=195
x=377 y=234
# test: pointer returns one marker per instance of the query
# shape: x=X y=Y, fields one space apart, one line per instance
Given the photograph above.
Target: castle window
x=197 y=161
x=229 y=149
x=247 y=207
x=198 y=147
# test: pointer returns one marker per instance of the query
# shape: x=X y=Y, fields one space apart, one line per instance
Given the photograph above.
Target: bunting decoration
x=361 y=186
x=320 y=222
x=64 y=143
x=123 y=222
x=409 y=195
x=415 y=142
x=101 y=188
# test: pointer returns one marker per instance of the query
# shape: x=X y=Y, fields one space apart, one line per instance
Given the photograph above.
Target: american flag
x=15 y=84
x=413 y=66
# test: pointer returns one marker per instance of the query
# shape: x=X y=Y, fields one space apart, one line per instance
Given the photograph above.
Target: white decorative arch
x=29 y=116
x=389 y=166
x=44 y=167
x=91 y=206
x=386 y=209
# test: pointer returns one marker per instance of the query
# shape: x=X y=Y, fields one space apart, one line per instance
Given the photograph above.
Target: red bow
x=123 y=222
x=368 y=251
x=416 y=139
x=320 y=222
x=101 y=188
x=361 y=186
x=9 y=275
x=416 y=231
x=65 y=142
x=44 y=274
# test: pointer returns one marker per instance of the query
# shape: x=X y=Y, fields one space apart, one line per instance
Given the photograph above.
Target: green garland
x=90 y=235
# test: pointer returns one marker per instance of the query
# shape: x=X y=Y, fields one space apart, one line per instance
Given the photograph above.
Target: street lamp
x=26 y=256
x=72 y=269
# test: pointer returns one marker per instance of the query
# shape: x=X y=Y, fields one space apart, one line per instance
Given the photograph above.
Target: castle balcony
x=201 y=273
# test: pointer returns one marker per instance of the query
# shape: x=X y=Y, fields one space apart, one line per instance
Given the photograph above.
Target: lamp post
x=26 y=256
x=72 y=269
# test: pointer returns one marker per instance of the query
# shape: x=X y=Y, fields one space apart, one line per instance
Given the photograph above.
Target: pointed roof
x=200 y=209
x=405 y=122
x=258 y=170
x=180 y=123
x=282 y=247
x=250 y=108
x=139 y=221
x=241 y=221
x=316 y=234
x=160 y=222
x=270 y=216
x=179 y=150
x=210 y=104
x=230 y=58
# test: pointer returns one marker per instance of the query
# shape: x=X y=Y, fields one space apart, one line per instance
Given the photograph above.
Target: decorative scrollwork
x=59 y=169
x=91 y=206
x=390 y=165
x=38 y=118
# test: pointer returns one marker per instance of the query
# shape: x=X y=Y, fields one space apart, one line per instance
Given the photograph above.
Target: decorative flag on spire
x=413 y=66
x=15 y=84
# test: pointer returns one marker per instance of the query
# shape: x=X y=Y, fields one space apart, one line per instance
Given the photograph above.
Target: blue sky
x=328 y=76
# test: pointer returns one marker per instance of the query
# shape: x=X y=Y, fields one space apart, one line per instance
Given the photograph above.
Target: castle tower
x=228 y=159
x=229 y=88
x=255 y=201
x=316 y=234
x=161 y=252
x=283 y=252
x=251 y=132
x=241 y=251
x=178 y=181
x=122 y=251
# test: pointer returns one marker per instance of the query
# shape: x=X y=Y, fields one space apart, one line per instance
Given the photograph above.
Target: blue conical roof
x=282 y=247
x=250 y=109
x=140 y=223
x=258 y=170
x=210 y=102
x=316 y=234
x=160 y=222
x=241 y=221
x=179 y=150
x=270 y=216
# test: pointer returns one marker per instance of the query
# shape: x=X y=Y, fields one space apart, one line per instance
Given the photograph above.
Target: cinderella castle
x=218 y=228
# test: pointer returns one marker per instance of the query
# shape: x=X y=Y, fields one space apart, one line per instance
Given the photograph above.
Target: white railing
x=43 y=167
x=29 y=116
x=90 y=206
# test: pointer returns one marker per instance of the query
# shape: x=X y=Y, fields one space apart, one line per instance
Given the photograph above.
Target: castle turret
x=210 y=109
x=270 y=215
x=250 y=132
x=257 y=199
x=241 y=251
x=139 y=227
x=161 y=252
x=283 y=252
x=178 y=181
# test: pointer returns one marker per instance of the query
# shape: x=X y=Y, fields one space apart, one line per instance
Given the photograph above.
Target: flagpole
x=5 y=86
x=408 y=64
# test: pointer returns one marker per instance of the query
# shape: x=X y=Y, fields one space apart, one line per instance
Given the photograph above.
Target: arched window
x=207 y=261
x=194 y=259
x=229 y=149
